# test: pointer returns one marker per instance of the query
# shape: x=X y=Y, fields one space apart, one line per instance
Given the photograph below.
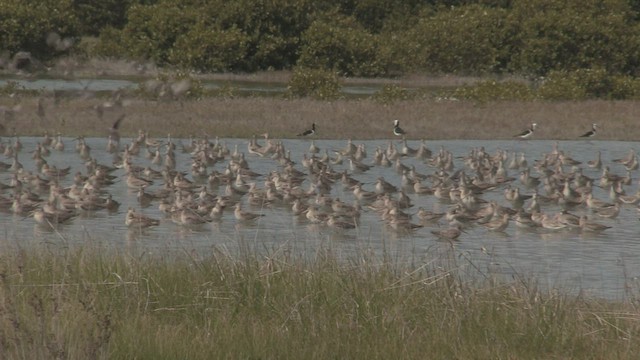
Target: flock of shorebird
x=221 y=179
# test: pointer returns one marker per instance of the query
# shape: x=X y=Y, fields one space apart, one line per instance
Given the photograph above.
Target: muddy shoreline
x=356 y=119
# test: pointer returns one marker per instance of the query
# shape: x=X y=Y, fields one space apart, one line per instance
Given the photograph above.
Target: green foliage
x=210 y=50
x=109 y=45
x=587 y=84
x=45 y=28
x=392 y=93
x=11 y=87
x=574 y=35
x=557 y=87
x=376 y=15
x=215 y=35
x=152 y=30
x=463 y=40
x=273 y=29
x=491 y=90
x=625 y=87
x=315 y=83
x=581 y=84
x=364 y=38
x=340 y=44
x=227 y=91
x=93 y=16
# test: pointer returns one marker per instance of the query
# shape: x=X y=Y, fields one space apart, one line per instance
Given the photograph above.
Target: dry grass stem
x=284 y=306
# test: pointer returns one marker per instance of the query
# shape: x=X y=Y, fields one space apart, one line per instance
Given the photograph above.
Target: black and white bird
x=590 y=133
x=527 y=133
x=397 y=130
x=309 y=132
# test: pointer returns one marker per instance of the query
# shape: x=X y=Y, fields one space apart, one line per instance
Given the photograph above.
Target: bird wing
x=116 y=124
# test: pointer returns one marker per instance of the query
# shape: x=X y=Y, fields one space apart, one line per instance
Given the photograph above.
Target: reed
x=78 y=303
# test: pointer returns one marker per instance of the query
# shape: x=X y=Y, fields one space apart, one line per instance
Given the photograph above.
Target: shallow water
x=100 y=85
x=601 y=264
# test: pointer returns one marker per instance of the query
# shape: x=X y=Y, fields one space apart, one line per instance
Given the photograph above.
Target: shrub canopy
x=350 y=37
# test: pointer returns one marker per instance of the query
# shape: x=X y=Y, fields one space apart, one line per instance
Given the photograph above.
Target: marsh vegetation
x=87 y=302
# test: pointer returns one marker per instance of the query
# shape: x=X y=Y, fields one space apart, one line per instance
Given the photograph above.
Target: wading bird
x=397 y=130
x=309 y=132
x=451 y=233
x=590 y=133
x=134 y=219
x=527 y=133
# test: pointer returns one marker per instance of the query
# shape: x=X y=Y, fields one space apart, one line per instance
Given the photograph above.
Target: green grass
x=90 y=303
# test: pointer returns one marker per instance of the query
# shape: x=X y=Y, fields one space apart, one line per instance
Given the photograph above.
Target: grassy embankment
x=89 y=303
x=242 y=117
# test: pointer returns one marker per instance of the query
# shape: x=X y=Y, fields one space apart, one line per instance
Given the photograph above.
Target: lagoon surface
x=603 y=264
x=110 y=85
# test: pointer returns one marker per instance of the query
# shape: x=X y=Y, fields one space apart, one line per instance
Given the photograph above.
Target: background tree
x=461 y=40
x=339 y=43
x=93 y=16
x=571 y=35
x=45 y=28
x=365 y=38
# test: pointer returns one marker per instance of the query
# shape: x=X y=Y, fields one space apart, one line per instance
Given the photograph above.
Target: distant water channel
x=603 y=264
x=103 y=85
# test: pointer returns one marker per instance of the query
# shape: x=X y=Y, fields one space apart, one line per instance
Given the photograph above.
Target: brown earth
x=356 y=119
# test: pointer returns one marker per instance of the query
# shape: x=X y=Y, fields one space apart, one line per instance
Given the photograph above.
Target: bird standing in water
x=451 y=233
